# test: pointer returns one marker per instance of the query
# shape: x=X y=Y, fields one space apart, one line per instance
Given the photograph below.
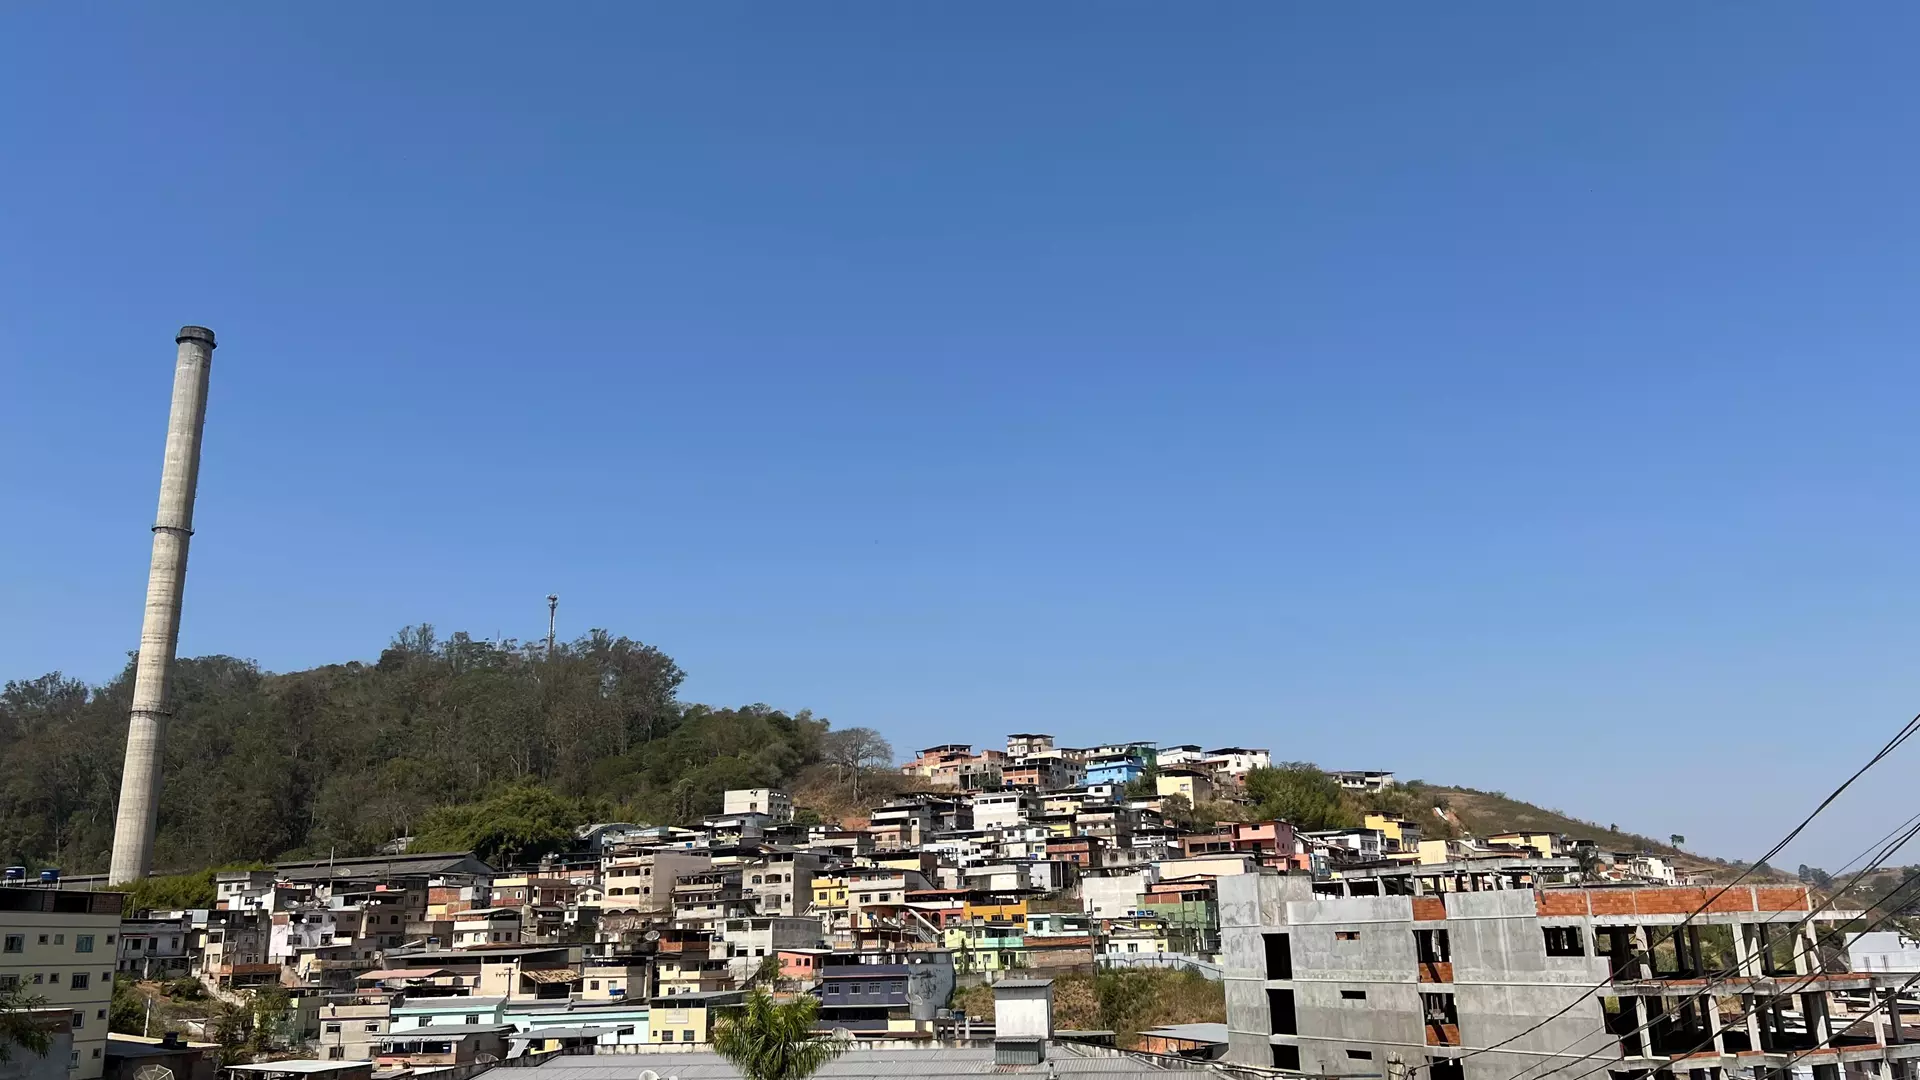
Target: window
x=79 y=1020
x=16 y=943
x=473 y=1018
x=79 y=980
x=1563 y=941
x=38 y=978
x=1280 y=1012
x=1353 y=995
x=43 y=939
x=374 y=1025
x=593 y=984
x=1286 y=1057
x=133 y=944
x=1360 y=1055
x=53 y=977
x=96 y=1051
x=59 y=939
x=331 y=1029
x=1347 y=935
x=109 y=939
x=1279 y=956
x=687 y=1035
x=100 y=1014
x=336 y=1053
x=83 y=943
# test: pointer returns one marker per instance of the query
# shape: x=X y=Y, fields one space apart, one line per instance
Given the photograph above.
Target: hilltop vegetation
x=347 y=757
x=496 y=747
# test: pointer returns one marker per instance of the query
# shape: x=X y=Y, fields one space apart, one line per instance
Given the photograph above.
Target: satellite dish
x=653 y=935
x=485 y=1059
x=153 y=1072
x=649 y=1074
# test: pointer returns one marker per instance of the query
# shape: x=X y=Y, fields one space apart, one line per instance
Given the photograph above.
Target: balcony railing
x=1436 y=971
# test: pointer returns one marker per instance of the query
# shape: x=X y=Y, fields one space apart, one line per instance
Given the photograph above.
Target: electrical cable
x=1906 y=732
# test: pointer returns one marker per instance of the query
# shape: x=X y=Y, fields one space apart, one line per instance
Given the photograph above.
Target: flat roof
x=449 y=1004
x=297 y=1065
x=476 y=953
x=571 y=1032
x=434 y=1031
x=927 y=1062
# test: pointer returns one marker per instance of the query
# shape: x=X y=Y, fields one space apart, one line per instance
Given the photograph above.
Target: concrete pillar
x=139 y=809
x=1750 y=1005
x=1742 y=953
x=1710 y=1006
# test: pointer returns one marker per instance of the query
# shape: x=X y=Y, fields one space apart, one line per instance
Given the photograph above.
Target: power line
x=1799 y=986
x=1887 y=845
x=1906 y=732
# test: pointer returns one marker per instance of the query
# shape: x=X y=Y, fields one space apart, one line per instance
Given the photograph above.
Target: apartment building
x=999 y=810
x=155 y=947
x=781 y=882
x=61 y=946
x=644 y=882
x=777 y=805
x=1506 y=981
x=349 y=1030
x=1025 y=744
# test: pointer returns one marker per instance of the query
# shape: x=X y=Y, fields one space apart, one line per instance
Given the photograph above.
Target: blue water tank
x=16 y=873
x=49 y=877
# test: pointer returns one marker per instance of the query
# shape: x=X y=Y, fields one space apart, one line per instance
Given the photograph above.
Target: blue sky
x=1507 y=396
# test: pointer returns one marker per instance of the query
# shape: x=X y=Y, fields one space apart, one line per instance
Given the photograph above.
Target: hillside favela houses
x=1373 y=949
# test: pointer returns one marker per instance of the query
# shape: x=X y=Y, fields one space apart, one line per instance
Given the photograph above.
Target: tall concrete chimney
x=160 y=629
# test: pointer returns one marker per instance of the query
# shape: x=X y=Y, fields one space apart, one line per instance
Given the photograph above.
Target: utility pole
x=553 y=609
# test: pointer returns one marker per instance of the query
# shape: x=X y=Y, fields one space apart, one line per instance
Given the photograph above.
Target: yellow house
x=688 y=1018
x=996 y=911
x=830 y=892
x=1192 y=786
x=615 y=981
x=1545 y=845
x=1398 y=834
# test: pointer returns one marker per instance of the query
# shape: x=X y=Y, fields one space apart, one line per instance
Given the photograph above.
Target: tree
x=769 y=1040
x=19 y=1026
x=129 y=1013
x=853 y=750
x=522 y=821
x=1298 y=793
x=1677 y=840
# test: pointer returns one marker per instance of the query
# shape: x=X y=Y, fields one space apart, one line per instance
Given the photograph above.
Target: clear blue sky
x=1507 y=396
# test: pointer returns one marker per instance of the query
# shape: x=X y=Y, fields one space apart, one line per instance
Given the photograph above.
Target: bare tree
x=855 y=749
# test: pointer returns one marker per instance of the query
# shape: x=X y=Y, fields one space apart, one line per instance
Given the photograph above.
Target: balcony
x=1436 y=971
x=1443 y=1034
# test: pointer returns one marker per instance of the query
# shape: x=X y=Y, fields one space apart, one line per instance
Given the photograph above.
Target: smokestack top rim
x=195 y=333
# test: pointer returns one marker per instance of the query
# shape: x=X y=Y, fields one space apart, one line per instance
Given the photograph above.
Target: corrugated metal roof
x=1197 y=1032
x=551 y=975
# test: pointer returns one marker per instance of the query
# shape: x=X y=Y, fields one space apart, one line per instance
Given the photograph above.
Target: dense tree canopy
x=346 y=757
x=1300 y=793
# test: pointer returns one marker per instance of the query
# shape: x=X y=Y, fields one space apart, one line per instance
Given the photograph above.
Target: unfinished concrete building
x=1522 y=983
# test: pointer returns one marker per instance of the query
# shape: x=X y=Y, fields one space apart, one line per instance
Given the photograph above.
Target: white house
x=1883 y=950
